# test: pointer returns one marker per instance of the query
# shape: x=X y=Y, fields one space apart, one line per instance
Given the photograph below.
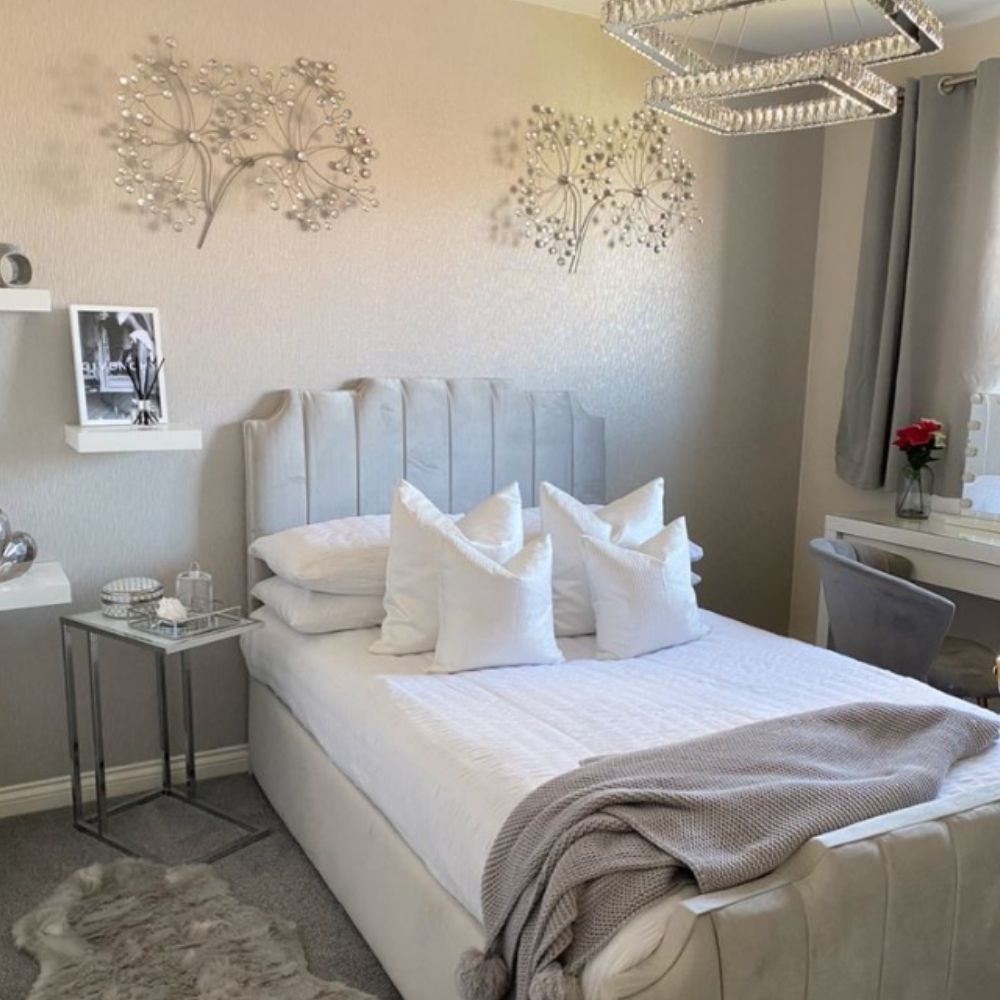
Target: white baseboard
x=127 y=779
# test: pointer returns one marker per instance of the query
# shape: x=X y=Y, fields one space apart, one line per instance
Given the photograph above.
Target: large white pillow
x=643 y=597
x=533 y=529
x=344 y=556
x=493 y=614
x=313 y=612
x=411 y=600
x=630 y=521
x=347 y=555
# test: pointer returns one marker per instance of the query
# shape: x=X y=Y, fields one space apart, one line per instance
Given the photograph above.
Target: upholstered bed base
x=905 y=907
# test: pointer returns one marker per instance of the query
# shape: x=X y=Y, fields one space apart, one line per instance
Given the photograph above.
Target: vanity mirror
x=981 y=480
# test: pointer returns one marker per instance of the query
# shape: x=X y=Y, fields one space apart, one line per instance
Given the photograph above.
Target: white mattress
x=447 y=757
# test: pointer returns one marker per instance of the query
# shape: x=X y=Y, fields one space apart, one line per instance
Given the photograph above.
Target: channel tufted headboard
x=339 y=453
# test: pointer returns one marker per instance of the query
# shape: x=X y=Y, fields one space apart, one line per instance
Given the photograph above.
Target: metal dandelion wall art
x=623 y=178
x=186 y=134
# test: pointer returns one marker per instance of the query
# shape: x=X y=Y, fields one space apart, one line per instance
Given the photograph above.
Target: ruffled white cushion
x=631 y=520
x=494 y=528
x=643 y=597
x=493 y=614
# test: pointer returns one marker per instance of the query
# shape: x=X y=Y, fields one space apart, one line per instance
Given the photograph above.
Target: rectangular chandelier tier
x=854 y=93
x=640 y=24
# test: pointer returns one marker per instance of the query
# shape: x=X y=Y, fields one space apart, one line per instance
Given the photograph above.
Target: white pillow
x=411 y=619
x=494 y=615
x=628 y=521
x=643 y=597
x=533 y=529
x=345 y=556
x=312 y=612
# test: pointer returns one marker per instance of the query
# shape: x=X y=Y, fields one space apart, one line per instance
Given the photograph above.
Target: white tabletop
x=116 y=628
x=937 y=526
x=43 y=585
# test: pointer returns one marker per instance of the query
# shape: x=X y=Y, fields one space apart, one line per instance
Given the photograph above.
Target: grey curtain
x=926 y=328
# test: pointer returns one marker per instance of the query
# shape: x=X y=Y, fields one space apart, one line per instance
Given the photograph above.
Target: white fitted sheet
x=446 y=757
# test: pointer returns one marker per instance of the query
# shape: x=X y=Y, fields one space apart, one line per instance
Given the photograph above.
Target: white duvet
x=447 y=757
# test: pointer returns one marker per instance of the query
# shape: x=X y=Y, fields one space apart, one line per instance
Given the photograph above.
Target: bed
x=395 y=782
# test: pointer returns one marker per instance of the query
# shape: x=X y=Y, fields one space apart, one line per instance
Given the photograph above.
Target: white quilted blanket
x=447 y=757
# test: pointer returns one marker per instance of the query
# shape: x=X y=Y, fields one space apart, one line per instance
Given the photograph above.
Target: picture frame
x=105 y=339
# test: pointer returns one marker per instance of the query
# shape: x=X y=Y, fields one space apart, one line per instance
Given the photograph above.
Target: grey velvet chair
x=879 y=617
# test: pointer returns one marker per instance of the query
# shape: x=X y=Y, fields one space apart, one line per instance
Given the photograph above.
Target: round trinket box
x=120 y=598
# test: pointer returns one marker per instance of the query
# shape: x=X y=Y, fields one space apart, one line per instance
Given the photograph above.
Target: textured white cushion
x=313 y=612
x=411 y=617
x=643 y=597
x=628 y=521
x=493 y=614
x=345 y=556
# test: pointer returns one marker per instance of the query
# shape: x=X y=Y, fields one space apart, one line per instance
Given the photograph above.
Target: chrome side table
x=94 y=624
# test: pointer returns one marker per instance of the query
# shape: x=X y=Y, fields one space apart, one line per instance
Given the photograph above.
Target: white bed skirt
x=905 y=906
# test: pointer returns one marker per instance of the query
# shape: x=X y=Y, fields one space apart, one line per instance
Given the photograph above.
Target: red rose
x=916 y=435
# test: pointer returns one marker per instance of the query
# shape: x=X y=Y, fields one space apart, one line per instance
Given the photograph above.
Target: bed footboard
x=903 y=907
x=906 y=906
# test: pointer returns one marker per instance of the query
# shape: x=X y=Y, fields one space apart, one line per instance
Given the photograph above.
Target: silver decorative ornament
x=17 y=550
x=624 y=178
x=186 y=135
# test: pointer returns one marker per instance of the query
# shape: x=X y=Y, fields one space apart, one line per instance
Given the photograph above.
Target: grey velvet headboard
x=339 y=453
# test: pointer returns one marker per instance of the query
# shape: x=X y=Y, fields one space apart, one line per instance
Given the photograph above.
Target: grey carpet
x=39 y=851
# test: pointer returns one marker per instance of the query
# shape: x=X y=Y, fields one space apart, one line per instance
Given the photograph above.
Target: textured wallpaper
x=696 y=357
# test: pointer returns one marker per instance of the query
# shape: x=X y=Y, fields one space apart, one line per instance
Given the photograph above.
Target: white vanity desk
x=944 y=552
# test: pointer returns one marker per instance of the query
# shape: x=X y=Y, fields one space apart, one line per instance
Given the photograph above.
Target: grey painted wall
x=696 y=357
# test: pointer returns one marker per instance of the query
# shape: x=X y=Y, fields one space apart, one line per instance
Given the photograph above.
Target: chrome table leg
x=100 y=785
x=69 y=679
x=187 y=705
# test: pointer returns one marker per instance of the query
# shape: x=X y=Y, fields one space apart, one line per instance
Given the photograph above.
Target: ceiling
x=791 y=25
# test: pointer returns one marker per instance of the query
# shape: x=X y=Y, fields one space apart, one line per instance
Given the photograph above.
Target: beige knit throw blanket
x=589 y=849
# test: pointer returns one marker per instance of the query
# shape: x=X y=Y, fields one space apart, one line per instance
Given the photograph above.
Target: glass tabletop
x=117 y=628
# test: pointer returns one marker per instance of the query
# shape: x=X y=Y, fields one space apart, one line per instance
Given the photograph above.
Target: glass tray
x=215 y=620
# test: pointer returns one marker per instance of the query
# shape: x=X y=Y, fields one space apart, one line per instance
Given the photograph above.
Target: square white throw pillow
x=630 y=521
x=643 y=597
x=494 y=528
x=493 y=614
x=312 y=612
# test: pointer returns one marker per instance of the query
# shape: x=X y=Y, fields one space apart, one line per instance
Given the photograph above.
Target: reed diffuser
x=145 y=388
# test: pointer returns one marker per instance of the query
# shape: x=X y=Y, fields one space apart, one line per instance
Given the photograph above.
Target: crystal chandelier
x=712 y=94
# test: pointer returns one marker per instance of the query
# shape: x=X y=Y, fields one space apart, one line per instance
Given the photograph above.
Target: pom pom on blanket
x=551 y=983
x=482 y=977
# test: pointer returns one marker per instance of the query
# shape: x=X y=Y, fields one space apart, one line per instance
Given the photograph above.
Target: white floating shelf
x=28 y=300
x=43 y=585
x=160 y=437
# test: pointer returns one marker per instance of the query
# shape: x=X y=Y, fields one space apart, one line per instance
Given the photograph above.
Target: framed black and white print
x=108 y=341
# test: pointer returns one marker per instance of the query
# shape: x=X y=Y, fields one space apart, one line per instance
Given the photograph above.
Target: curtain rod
x=948 y=83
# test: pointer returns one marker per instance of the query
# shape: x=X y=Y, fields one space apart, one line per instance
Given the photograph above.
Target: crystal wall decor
x=623 y=177
x=186 y=134
x=699 y=90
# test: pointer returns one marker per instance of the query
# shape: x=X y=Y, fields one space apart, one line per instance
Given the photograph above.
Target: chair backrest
x=879 y=618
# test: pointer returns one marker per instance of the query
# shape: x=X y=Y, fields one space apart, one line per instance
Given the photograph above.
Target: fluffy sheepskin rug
x=132 y=930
